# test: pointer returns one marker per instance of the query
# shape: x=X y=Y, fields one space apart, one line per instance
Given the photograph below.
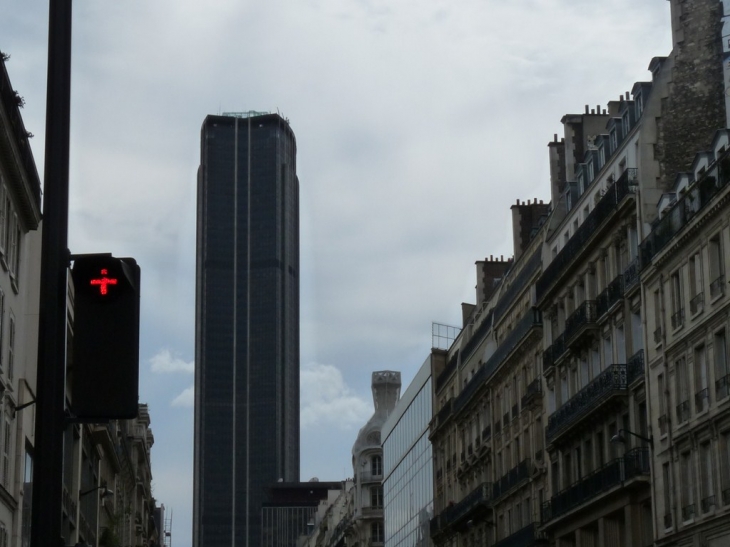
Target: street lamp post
x=46 y=513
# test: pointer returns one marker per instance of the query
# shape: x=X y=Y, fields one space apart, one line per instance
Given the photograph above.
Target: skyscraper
x=247 y=324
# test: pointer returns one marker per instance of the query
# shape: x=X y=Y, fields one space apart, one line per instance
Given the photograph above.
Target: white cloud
x=165 y=362
x=326 y=399
x=186 y=399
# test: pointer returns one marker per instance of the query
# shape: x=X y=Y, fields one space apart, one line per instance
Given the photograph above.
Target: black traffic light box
x=104 y=340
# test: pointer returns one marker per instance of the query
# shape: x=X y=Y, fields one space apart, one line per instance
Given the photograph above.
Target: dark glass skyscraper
x=246 y=324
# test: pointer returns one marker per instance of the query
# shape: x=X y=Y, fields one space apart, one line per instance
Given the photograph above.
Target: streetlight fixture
x=105 y=492
x=620 y=438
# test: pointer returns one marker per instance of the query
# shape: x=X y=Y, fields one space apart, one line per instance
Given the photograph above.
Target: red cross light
x=103 y=282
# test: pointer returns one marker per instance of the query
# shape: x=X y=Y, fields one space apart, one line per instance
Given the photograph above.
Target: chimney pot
x=598 y=109
x=587 y=107
x=555 y=137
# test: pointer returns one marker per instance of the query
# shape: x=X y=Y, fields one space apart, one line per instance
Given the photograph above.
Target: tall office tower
x=247 y=324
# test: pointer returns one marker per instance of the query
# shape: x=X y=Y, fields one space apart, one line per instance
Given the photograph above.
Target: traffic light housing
x=104 y=338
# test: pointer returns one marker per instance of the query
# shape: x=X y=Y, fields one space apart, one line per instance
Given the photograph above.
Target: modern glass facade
x=247 y=324
x=408 y=466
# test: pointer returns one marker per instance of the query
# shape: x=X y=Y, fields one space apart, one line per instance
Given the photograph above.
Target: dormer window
x=581 y=183
x=638 y=105
x=613 y=138
x=589 y=174
x=601 y=155
x=626 y=122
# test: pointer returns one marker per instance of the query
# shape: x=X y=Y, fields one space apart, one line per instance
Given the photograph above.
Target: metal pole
x=46 y=515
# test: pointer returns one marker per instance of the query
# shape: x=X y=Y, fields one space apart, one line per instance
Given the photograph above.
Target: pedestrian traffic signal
x=104 y=338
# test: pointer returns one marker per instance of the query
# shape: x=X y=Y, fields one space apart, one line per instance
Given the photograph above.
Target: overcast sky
x=418 y=124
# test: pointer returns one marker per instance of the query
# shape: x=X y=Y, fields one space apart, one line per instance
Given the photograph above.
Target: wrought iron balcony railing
x=634 y=464
x=522 y=538
x=631 y=275
x=611 y=295
x=678 y=318
x=577 y=244
x=697 y=304
x=512 y=478
x=551 y=355
x=717 y=287
x=702 y=400
x=635 y=366
x=584 y=316
x=694 y=200
x=721 y=387
x=478 y=498
x=688 y=512
x=611 y=381
x=683 y=412
x=532 y=319
x=533 y=393
x=708 y=504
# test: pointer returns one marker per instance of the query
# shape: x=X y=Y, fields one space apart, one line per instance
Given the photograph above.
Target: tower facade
x=247 y=324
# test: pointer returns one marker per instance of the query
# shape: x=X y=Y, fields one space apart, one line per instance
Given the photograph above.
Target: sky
x=418 y=125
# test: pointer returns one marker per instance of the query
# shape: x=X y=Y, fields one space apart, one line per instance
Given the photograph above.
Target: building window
x=7 y=450
x=663 y=418
x=667 y=496
x=638 y=105
x=626 y=122
x=702 y=395
x=376 y=496
x=722 y=374
x=682 y=377
x=376 y=532
x=687 y=490
x=677 y=304
x=696 y=294
x=376 y=466
x=725 y=466
x=706 y=487
x=717 y=271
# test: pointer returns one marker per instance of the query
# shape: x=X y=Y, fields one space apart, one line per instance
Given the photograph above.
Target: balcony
x=678 y=318
x=674 y=221
x=578 y=244
x=525 y=537
x=512 y=478
x=688 y=512
x=721 y=387
x=717 y=287
x=610 y=383
x=581 y=321
x=631 y=275
x=611 y=295
x=707 y=504
x=473 y=505
x=697 y=304
x=521 y=332
x=533 y=393
x=616 y=472
x=702 y=400
x=553 y=354
x=443 y=415
x=635 y=367
x=683 y=412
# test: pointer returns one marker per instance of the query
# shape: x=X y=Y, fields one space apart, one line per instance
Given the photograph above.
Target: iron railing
x=611 y=295
x=477 y=337
x=635 y=366
x=512 y=478
x=611 y=381
x=721 y=387
x=688 y=512
x=717 y=287
x=678 y=318
x=697 y=304
x=687 y=206
x=683 y=412
x=448 y=371
x=443 y=414
x=521 y=538
x=532 y=393
x=583 y=316
x=551 y=355
x=702 y=398
x=635 y=463
x=707 y=504
x=631 y=275
x=452 y=514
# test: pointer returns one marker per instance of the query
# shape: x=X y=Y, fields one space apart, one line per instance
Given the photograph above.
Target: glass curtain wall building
x=247 y=324
x=408 y=466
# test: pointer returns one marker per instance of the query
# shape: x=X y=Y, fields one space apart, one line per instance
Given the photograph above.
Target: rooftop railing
x=611 y=381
